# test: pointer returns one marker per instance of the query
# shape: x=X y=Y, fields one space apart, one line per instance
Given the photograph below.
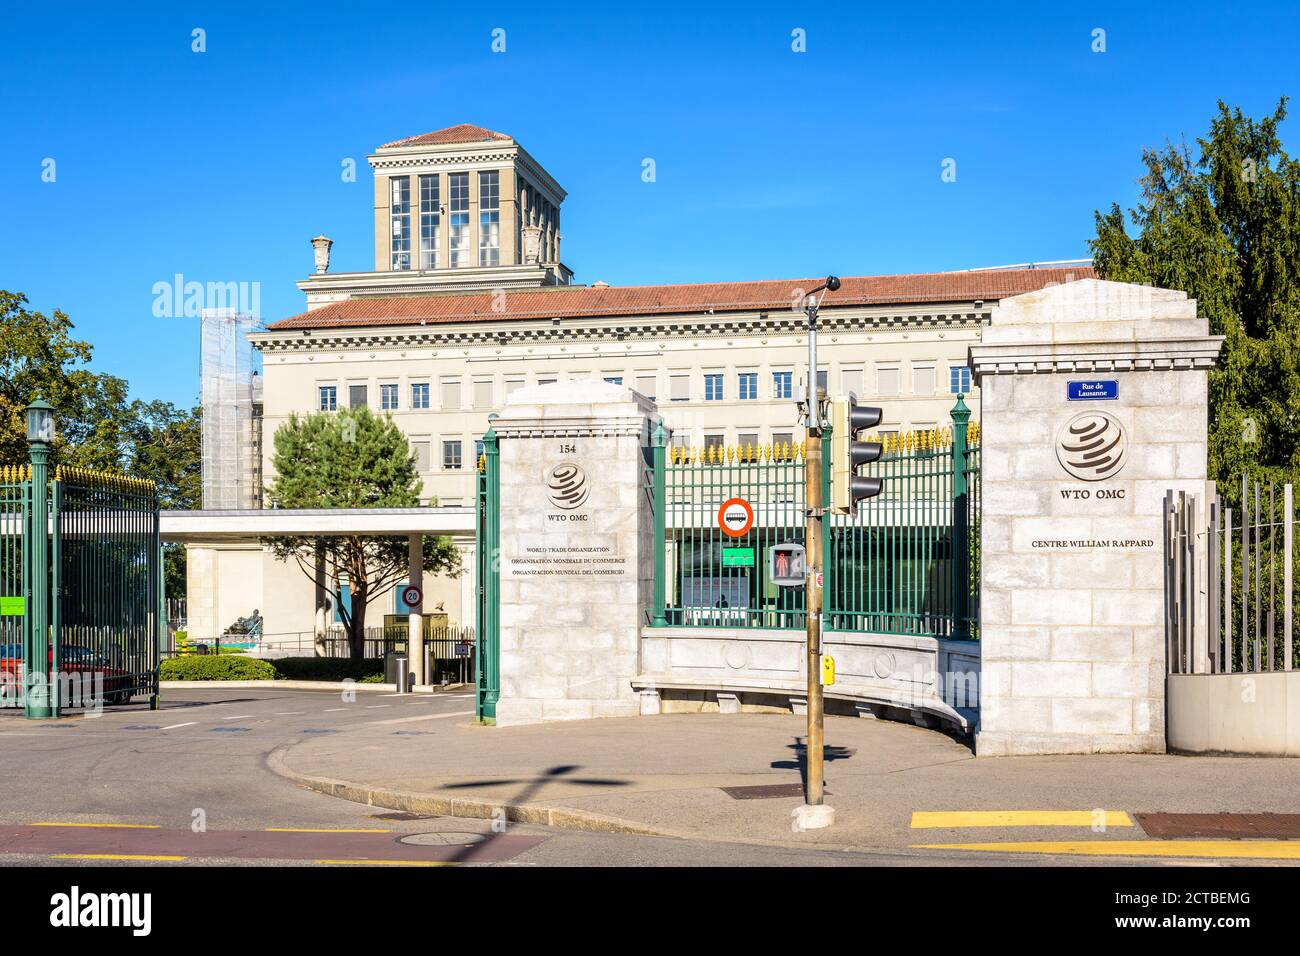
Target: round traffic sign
x=412 y=596
x=736 y=517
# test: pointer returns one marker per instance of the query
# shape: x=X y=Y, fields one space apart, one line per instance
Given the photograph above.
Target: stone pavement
x=664 y=775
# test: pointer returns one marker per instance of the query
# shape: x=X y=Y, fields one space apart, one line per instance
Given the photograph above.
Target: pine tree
x=1222 y=223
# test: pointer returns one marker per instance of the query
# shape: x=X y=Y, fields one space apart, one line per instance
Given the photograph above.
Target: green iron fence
x=487 y=544
x=91 y=580
x=906 y=562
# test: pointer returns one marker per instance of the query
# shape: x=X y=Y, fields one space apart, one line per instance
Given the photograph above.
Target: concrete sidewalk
x=664 y=775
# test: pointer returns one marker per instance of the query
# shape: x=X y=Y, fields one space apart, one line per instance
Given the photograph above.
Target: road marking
x=237 y=717
x=928 y=819
x=188 y=723
x=331 y=710
x=114 y=856
x=387 y=863
x=407 y=720
x=1228 y=849
x=288 y=713
x=377 y=706
x=103 y=826
x=323 y=830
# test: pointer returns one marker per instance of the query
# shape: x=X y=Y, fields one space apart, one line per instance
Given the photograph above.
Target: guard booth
x=80 y=590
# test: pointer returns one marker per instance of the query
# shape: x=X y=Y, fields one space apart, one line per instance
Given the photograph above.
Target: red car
x=81 y=667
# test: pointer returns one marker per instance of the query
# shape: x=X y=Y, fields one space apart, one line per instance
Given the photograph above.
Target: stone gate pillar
x=576 y=555
x=1093 y=405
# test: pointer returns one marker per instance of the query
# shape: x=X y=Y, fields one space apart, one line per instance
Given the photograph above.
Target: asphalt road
x=188 y=785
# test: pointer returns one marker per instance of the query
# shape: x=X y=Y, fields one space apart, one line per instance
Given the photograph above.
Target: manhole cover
x=767 y=791
x=402 y=815
x=1277 y=826
x=443 y=838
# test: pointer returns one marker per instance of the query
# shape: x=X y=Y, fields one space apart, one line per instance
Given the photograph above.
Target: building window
x=483 y=393
x=388 y=397
x=421 y=450
x=430 y=221
x=450 y=393
x=886 y=381
x=747 y=385
x=614 y=379
x=419 y=394
x=747 y=440
x=512 y=384
x=713 y=387
x=714 y=441
x=545 y=381
x=647 y=385
x=478 y=450
x=780 y=439
x=357 y=397
x=851 y=379
x=489 y=218
x=959 y=379
x=922 y=379
x=822 y=378
x=458 y=210
x=329 y=398
x=400 y=216
x=451 y=455
x=679 y=388
x=783 y=384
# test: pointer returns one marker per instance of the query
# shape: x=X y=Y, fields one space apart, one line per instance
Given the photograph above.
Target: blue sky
x=221 y=165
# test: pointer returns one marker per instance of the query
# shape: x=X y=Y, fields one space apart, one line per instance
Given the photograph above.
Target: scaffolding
x=231 y=395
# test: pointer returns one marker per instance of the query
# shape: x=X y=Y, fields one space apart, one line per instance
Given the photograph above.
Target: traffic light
x=848 y=418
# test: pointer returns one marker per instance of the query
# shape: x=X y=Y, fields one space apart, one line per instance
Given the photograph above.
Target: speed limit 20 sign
x=736 y=517
x=412 y=596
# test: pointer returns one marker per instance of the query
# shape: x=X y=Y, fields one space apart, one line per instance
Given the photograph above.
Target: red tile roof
x=584 y=302
x=464 y=133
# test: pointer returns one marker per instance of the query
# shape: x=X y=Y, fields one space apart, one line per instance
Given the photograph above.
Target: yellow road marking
x=113 y=856
x=1234 y=849
x=387 y=862
x=922 y=819
x=321 y=830
x=105 y=826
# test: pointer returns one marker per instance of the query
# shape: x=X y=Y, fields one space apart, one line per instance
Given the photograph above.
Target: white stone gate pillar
x=576 y=550
x=1093 y=404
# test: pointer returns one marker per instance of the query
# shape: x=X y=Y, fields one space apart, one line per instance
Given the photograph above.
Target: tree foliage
x=351 y=459
x=1222 y=223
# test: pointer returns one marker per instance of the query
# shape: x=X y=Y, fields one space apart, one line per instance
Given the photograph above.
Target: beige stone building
x=469 y=301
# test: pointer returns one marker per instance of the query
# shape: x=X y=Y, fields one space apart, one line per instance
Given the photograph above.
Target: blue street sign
x=1104 y=390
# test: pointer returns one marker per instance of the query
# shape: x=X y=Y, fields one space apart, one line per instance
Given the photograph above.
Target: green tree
x=99 y=426
x=1222 y=223
x=351 y=459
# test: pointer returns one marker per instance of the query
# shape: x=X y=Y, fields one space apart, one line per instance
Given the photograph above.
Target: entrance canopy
x=209 y=526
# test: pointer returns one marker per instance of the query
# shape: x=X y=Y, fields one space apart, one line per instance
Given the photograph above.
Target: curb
x=413 y=801
x=297 y=685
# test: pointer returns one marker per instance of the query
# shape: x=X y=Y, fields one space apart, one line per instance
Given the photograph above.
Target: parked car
x=77 y=661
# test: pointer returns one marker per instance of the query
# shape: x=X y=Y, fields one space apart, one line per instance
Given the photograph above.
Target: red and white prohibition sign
x=736 y=517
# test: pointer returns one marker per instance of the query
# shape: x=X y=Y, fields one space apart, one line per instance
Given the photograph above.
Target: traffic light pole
x=813 y=586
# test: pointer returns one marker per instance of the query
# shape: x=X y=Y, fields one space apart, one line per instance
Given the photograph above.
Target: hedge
x=222 y=667
x=215 y=667
x=367 y=671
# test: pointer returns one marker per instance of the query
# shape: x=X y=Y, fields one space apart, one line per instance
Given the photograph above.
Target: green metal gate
x=487 y=546
x=905 y=562
x=80 y=597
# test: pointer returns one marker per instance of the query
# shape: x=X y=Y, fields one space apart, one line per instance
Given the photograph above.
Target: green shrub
x=368 y=671
x=215 y=667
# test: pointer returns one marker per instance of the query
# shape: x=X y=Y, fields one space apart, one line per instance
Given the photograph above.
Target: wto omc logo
x=567 y=486
x=1092 y=446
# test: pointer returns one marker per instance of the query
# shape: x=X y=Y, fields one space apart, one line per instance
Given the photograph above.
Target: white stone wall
x=1072 y=600
x=574 y=581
